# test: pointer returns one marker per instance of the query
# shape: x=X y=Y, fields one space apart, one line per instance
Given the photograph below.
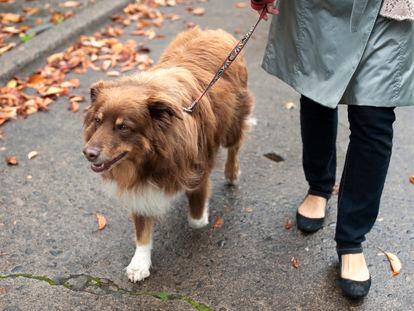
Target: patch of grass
x=96 y=281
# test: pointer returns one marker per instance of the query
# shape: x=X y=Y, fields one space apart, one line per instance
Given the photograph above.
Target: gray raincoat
x=313 y=49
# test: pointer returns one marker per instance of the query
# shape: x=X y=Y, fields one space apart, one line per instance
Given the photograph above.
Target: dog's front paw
x=232 y=174
x=139 y=267
x=199 y=223
x=136 y=273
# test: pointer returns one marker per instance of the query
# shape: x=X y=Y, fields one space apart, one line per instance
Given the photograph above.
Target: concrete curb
x=58 y=36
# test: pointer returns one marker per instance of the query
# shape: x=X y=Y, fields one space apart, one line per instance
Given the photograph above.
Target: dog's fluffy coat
x=151 y=149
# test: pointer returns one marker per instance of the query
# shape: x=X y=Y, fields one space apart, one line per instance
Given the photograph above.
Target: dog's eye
x=121 y=127
x=98 y=121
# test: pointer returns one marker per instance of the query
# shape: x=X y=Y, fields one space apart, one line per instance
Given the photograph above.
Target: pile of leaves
x=101 y=52
x=27 y=23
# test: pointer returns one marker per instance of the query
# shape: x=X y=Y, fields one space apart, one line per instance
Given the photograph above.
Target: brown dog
x=149 y=150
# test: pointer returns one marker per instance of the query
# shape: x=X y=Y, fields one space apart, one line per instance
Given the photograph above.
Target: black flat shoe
x=309 y=225
x=353 y=289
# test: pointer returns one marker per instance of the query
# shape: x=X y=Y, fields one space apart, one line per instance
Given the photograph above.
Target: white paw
x=199 y=223
x=136 y=274
x=138 y=269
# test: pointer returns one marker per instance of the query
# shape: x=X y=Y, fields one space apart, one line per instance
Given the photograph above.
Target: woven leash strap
x=226 y=64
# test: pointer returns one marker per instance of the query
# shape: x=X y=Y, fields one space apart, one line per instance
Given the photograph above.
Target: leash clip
x=190 y=108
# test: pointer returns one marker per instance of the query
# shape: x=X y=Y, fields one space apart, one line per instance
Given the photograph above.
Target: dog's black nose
x=91 y=153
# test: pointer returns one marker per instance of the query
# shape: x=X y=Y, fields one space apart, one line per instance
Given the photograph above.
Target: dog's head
x=126 y=122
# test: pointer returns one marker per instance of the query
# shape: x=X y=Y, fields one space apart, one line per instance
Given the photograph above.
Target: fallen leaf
x=288 y=224
x=11 y=160
x=248 y=210
x=71 y=83
x=57 y=17
x=218 y=223
x=75 y=98
x=198 y=11
x=70 y=4
x=101 y=221
x=241 y=5
x=12 y=84
x=412 y=179
x=290 y=106
x=294 y=262
x=190 y=25
x=53 y=90
x=394 y=261
x=274 y=157
x=32 y=154
x=74 y=106
x=11 y=18
x=113 y=73
x=36 y=79
x=106 y=64
x=6 y=48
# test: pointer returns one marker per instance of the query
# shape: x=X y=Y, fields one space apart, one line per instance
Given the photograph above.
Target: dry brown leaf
x=198 y=11
x=11 y=18
x=57 y=17
x=294 y=262
x=101 y=221
x=36 y=79
x=32 y=154
x=31 y=11
x=12 y=160
x=6 y=48
x=71 y=83
x=53 y=90
x=76 y=98
x=288 y=224
x=74 y=106
x=106 y=64
x=113 y=73
x=394 y=261
x=12 y=84
x=70 y=4
x=241 y=5
x=290 y=106
x=412 y=179
x=218 y=223
x=11 y=29
x=190 y=25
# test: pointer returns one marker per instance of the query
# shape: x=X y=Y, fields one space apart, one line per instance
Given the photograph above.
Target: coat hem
x=320 y=101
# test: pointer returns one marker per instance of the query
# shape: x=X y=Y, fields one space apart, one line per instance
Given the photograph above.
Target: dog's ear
x=96 y=88
x=163 y=112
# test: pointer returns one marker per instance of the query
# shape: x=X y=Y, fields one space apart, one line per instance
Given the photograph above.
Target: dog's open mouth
x=104 y=166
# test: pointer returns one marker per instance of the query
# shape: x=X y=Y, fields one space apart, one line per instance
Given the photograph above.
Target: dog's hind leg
x=198 y=201
x=140 y=264
x=232 y=168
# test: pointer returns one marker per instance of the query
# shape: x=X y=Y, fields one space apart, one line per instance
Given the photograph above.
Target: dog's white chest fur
x=146 y=201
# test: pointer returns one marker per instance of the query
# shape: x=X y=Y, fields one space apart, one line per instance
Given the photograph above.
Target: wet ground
x=53 y=257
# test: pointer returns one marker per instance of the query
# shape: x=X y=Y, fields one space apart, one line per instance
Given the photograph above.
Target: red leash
x=226 y=64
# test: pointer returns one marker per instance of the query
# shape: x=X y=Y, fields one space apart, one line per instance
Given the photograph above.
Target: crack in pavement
x=101 y=286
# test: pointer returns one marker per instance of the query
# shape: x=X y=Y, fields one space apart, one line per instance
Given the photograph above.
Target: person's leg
x=364 y=174
x=362 y=183
x=319 y=131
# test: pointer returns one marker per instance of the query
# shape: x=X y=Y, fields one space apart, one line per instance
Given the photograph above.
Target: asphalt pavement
x=52 y=257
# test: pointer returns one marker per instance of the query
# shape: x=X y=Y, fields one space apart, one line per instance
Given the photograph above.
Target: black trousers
x=365 y=169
